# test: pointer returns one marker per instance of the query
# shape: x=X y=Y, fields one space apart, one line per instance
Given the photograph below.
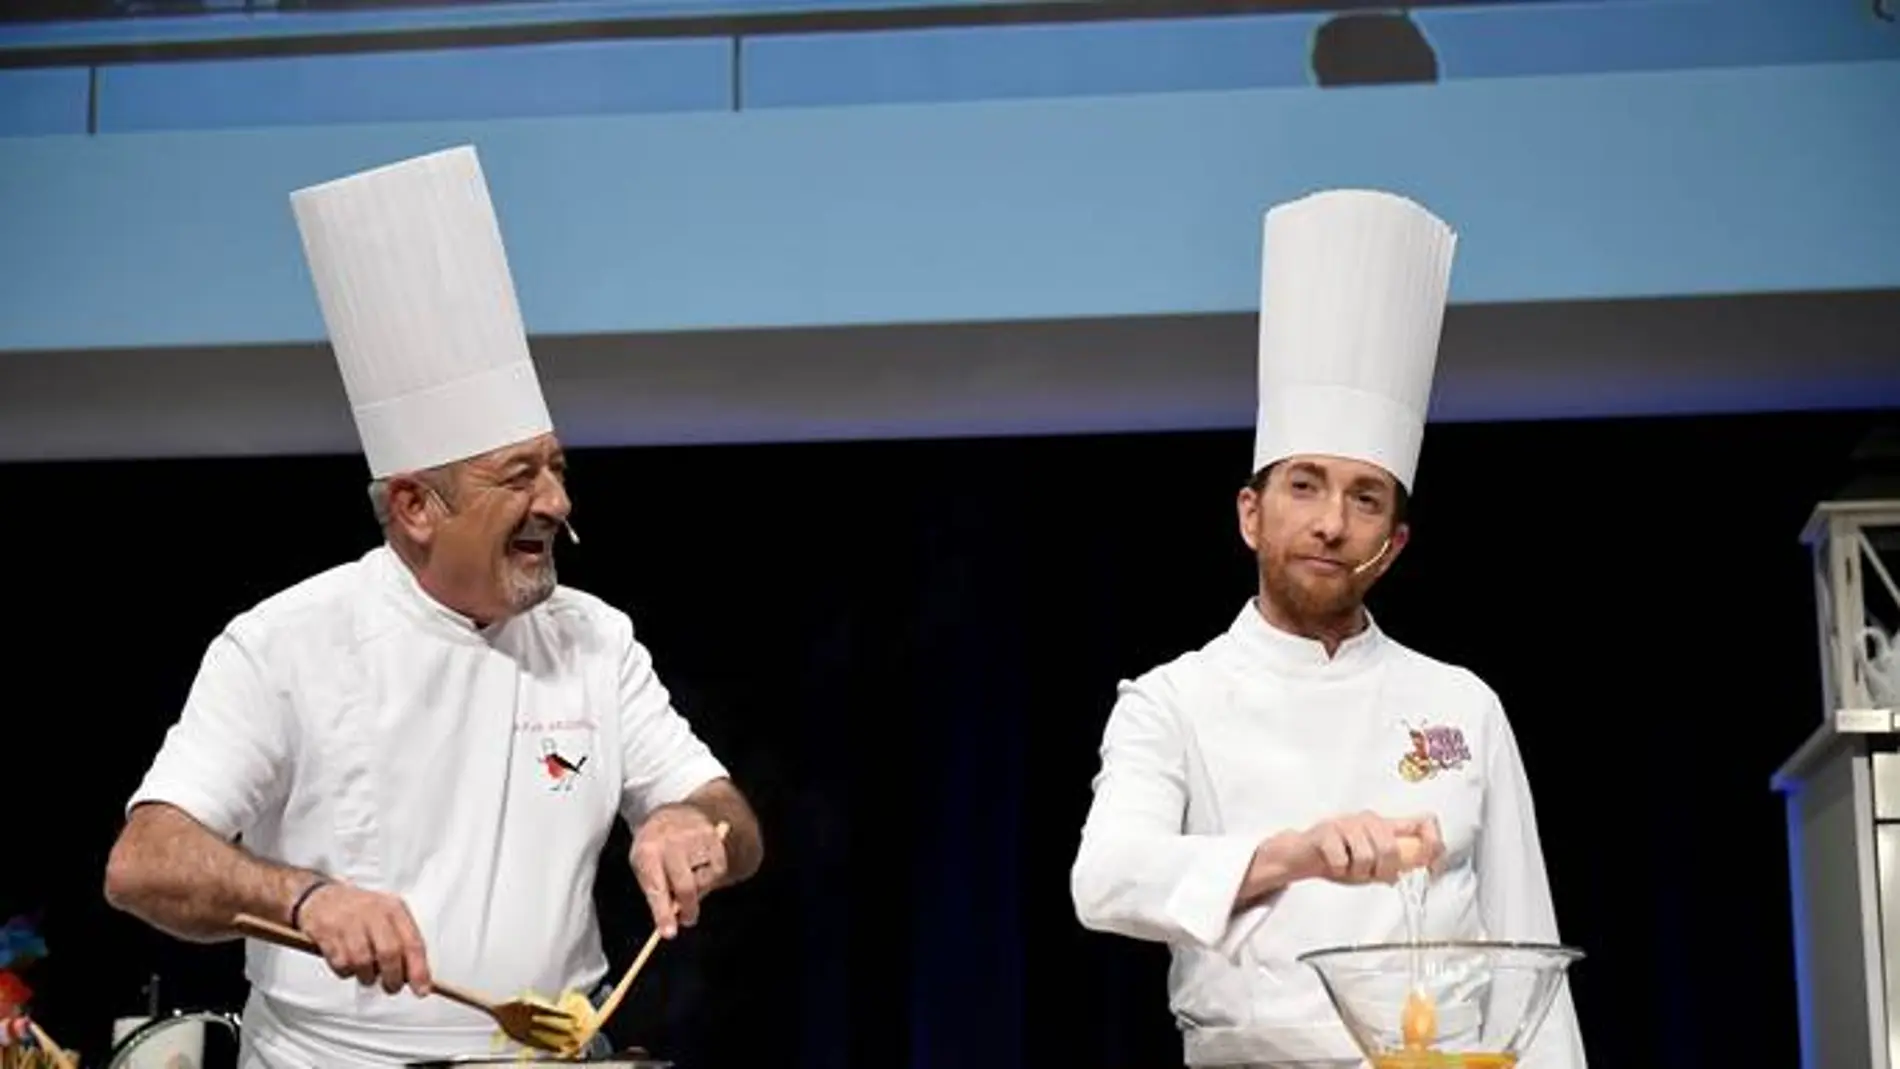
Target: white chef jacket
x=1260 y=732
x=353 y=725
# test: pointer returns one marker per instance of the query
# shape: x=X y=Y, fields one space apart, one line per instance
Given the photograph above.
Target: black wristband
x=296 y=907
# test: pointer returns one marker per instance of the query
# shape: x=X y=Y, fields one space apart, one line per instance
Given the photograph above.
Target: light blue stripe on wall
x=1508 y=41
x=978 y=63
x=45 y=101
x=923 y=66
x=1271 y=51
x=266 y=24
x=516 y=81
x=1648 y=184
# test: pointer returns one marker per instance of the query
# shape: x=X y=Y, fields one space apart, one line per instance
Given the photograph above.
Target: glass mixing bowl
x=1444 y=1005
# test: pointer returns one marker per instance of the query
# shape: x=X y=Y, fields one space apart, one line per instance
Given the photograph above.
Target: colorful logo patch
x=561 y=770
x=1435 y=749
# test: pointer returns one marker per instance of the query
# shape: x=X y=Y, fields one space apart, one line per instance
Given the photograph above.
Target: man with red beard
x=379 y=735
x=1258 y=794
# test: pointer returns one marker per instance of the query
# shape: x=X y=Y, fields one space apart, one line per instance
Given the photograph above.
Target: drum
x=152 y=1043
x=626 y=1059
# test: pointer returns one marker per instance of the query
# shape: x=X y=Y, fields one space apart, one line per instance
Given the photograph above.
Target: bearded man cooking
x=1253 y=794
x=423 y=750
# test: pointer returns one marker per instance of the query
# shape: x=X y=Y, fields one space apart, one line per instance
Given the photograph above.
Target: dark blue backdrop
x=907 y=650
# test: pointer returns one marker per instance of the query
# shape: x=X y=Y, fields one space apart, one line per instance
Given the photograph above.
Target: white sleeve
x=1137 y=873
x=662 y=760
x=1513 y=890
x=227 y=759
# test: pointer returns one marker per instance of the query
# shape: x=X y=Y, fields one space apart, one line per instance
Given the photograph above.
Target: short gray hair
x=440 y=479
x=379 y=501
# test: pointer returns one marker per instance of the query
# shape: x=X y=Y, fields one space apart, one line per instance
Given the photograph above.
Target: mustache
x=536 y=531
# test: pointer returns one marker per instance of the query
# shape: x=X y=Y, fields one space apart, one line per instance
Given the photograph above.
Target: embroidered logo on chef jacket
x=1435 y=749
x=561 y=769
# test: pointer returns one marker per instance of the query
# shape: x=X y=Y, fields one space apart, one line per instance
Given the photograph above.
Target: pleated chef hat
x=420 y=308
x=1352 y=296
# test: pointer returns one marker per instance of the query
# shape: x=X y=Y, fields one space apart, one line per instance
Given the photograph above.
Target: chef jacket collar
x=419 y=604
x=1286 y=651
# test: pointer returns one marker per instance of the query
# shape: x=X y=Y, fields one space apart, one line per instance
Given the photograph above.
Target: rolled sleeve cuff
x=196 y=803
x=1240 y=932
x=680 y=782
x=1202 y=904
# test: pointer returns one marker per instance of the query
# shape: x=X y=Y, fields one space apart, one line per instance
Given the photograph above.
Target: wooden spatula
x=528 y=1023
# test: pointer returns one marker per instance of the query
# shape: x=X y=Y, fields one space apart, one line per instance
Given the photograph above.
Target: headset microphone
x=1376 y=557
x=571 y=536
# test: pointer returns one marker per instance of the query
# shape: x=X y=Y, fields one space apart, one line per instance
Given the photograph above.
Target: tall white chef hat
x=420 y=308
x=1352 y=295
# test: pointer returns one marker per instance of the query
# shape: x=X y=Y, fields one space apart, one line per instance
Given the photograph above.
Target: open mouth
x=528 y=547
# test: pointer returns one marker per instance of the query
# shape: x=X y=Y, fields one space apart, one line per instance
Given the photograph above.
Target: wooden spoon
x=528 y=1023
x=608 y=1007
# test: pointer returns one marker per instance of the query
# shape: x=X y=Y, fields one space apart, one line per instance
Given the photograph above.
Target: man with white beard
x=424 y=750
x=1256 y=794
